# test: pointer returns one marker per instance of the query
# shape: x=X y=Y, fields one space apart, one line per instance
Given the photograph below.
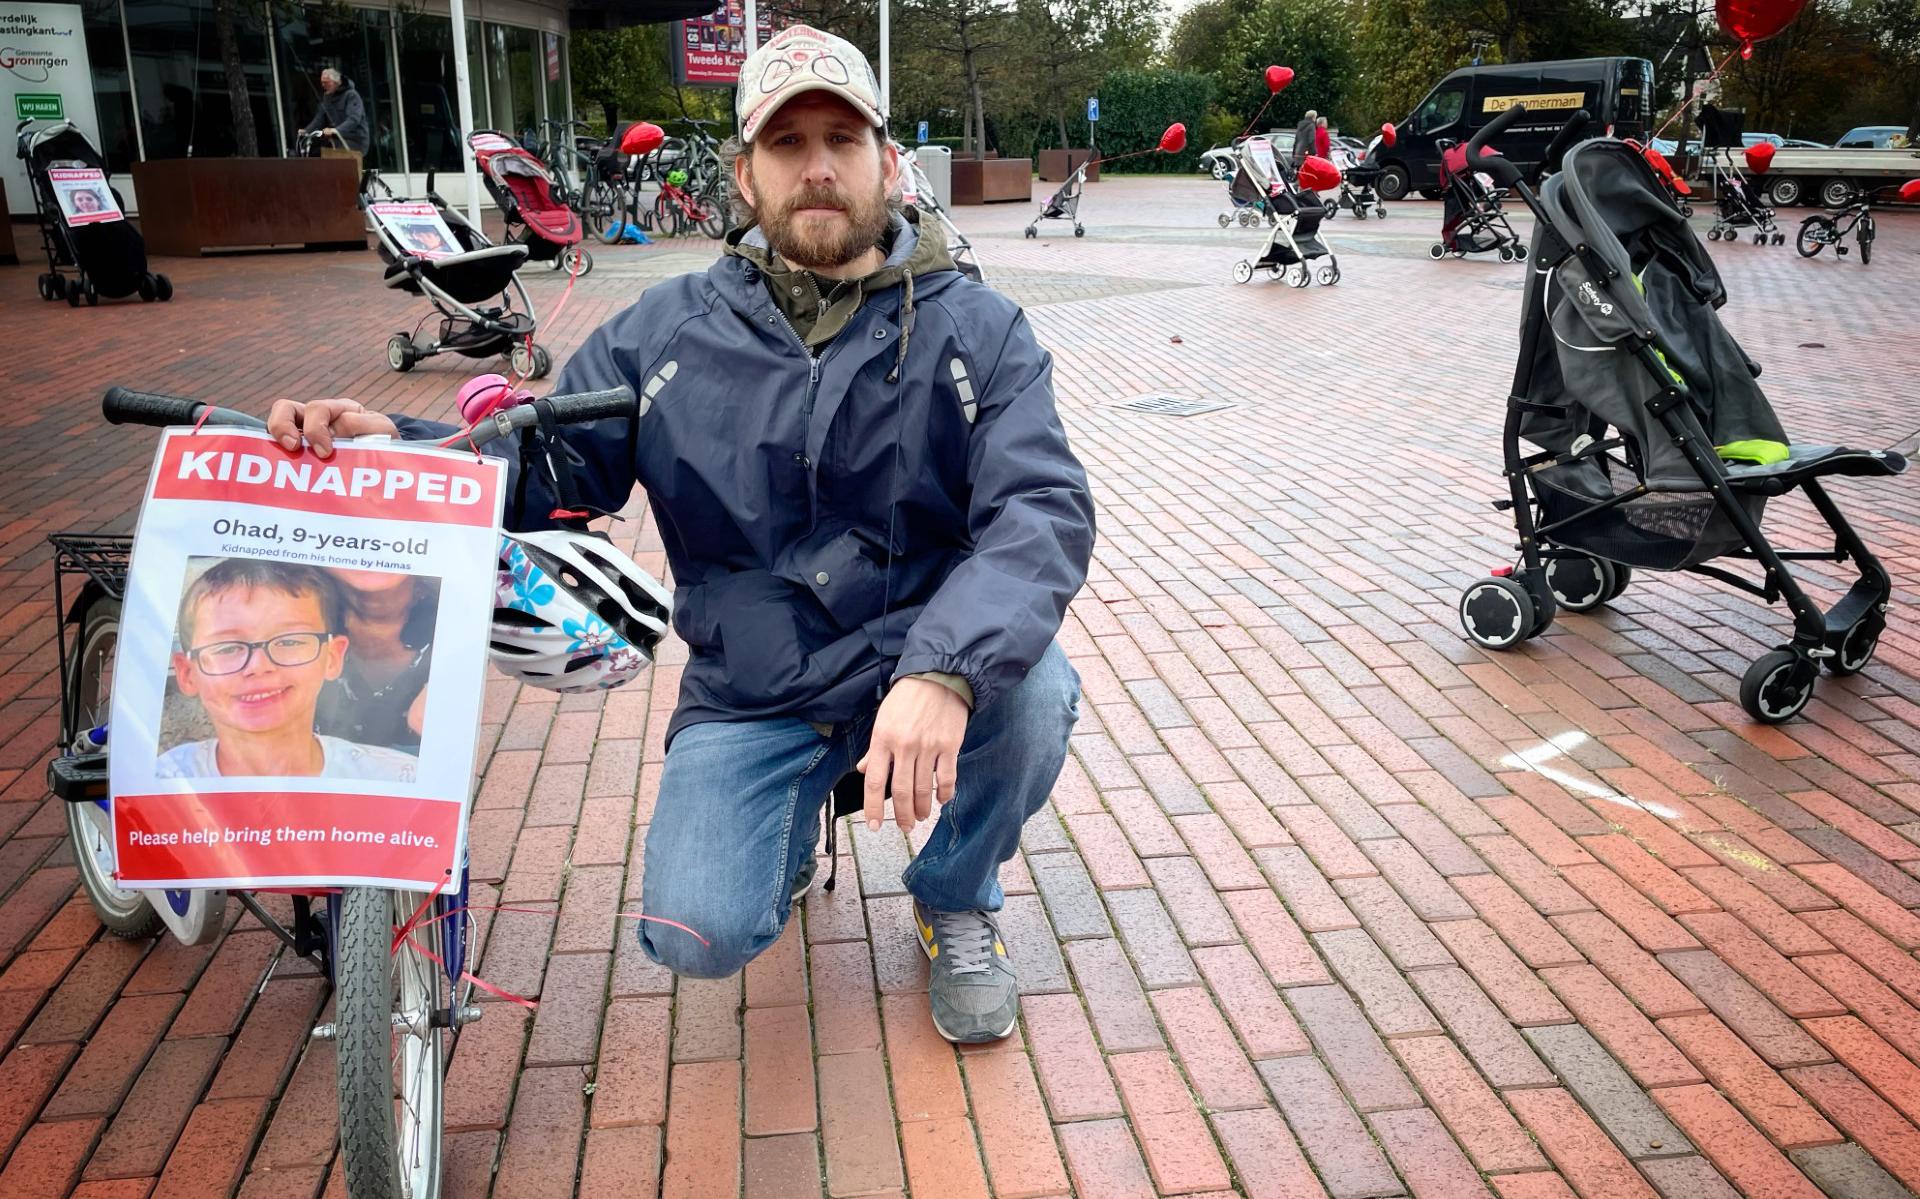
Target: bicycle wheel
x=1815 y=233
x=709 y=212
x=666 y=216
x=1865 y=236
x=603 y=213
x=390 y=1012
x=90 y=824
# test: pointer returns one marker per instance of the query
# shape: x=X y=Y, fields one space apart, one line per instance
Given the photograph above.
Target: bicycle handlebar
x=124 y=406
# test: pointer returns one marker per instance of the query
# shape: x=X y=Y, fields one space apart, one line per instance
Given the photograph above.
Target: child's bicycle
x=675 y=210
x=397 y=959
x=1824 y=229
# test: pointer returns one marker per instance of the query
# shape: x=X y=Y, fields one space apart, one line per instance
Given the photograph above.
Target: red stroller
x=522 y=186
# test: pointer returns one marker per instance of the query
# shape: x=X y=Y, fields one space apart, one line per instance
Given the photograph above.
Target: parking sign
x=1093 y=108
x=923 y=133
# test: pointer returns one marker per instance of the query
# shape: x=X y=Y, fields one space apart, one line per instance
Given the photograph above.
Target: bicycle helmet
x=571 y=612
x=677 y=177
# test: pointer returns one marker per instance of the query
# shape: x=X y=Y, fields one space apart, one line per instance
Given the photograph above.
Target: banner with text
x=709 y=50
x=44 y=76
x=297 y=689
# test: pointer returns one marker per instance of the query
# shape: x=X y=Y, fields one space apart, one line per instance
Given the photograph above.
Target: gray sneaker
x=803 y=881
x=972 y=983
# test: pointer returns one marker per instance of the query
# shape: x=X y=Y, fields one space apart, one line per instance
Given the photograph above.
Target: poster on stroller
x=302 y=657
x=84 y=196
x=416 y=226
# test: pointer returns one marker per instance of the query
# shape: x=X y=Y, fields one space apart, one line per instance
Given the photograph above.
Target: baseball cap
x=800 y=59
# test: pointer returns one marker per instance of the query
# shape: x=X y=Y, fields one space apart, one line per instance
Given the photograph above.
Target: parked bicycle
x=676 y=208
x=397 y=959
x=1824 y=229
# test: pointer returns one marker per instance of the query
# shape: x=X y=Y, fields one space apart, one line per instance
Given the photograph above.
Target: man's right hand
x=320 y=421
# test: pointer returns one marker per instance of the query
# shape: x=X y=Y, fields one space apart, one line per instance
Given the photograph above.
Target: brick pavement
x=1327 y=901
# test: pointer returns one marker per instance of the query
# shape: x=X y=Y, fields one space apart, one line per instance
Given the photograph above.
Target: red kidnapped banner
x=255 y=834
x=364 y=483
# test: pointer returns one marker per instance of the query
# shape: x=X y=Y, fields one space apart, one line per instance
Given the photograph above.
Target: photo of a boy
x=257 y=642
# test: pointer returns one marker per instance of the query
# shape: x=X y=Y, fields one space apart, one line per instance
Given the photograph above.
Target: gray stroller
x=1657 y=448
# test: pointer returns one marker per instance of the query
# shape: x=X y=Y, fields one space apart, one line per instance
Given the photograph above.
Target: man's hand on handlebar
x=320 y=421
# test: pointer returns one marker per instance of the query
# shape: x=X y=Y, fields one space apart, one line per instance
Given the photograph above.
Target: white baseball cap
x=800 y=59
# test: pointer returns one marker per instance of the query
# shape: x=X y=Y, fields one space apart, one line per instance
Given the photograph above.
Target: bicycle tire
x=385 y=1001
x=1809 y=242
x=713 y=214
x=603 y=211
x=125 y=913
x=1864 y=235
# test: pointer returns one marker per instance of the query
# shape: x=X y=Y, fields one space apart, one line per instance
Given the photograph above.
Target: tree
x=1314 y=37
x=971 y=33
x=1401 y=50
x=1200 y=35
x=1795 y=82
x=246 y=144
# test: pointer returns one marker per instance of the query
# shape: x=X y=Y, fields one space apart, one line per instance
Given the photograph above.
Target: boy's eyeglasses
x=232 y=657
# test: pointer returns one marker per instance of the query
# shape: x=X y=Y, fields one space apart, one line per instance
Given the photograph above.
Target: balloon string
x=1699 y=91
x=1258 y=115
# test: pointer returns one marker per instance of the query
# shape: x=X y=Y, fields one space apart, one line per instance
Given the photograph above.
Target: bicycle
x=675 y=210
x=396 y=959
x=1824 y=229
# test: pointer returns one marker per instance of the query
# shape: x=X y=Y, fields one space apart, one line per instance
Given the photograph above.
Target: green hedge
x=1137 y=106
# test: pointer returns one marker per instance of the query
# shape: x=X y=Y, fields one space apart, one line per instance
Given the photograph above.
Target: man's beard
x=823 y=245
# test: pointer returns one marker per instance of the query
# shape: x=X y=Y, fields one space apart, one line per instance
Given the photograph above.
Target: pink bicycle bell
x=484 y=395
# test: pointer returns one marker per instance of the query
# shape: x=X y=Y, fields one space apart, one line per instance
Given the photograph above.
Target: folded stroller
x=1471 y=221
x=1736 y=201
x=431 y=251
x=83 y=223
x=1064 y=205
x=1657 y=448
x=522 y=186
x=1296 y=211
x=916 y=191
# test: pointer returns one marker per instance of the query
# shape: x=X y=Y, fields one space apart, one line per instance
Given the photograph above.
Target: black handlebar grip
x=1504 y=172
x=592 y=405
x=1563 y=140
x=123 y=406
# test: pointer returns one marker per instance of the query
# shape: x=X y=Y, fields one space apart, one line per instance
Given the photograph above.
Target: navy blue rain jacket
x=775 y=477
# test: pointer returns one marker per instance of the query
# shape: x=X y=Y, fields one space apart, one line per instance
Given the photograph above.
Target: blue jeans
x=740 y=804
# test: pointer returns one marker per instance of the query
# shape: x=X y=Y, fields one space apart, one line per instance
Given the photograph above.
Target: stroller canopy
x=59 y=145
x=1644 y=274
x=523 y=185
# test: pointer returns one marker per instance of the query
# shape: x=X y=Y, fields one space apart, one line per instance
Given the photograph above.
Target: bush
x=1137 y=106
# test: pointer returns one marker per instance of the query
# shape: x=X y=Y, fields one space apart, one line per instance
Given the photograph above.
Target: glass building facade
x=161 y=73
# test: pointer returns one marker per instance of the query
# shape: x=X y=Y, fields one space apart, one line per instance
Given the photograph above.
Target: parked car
x=1871 y=137
x=1222 y=161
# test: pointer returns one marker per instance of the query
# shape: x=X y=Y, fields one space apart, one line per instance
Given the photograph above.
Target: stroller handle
x=1504 y=171
x=1563 y=141
x=124 y=406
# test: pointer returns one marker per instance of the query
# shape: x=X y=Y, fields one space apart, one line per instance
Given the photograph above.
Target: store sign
x=553 y=58
x=39 y=106
x=709 y=50
x=44 y=76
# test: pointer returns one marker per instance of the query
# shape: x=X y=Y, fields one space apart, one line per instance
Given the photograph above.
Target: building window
x=553 y=69
x=432 y=116
x=180 y=77
x=112 y=88
x=358 y=43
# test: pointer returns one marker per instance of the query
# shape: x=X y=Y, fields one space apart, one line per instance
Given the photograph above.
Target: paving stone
x=1606 y=1091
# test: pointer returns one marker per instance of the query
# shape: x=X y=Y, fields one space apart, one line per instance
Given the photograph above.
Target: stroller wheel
x=1248 y=218
x=1855 y=647
x=1436 y=251
x=1276 y=271
x=1622 y=575
x=1379 y=212
x=1242 y=271
x=1031 y=232
x=1497 y=612
x=73 y=295
x=162 y=288
x=1580 y=583
x=1779 y=238
x=1506 y=253
x=146 y=289
x=1759 y=239
x=1300 y=274
x=1686 y=210
x=400 y=352
x=542 y=363
x=92 y=294
x=1777 y=686
x=1519 y=252
x=1713 y=235
x=1328 y=276
x=1226 y=218
x=1079 y=230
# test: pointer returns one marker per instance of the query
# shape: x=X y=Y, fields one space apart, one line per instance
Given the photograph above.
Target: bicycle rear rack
x=103 y=559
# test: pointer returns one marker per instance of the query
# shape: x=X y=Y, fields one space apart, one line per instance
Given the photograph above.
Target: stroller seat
x=471 y=278
x=1806 y=462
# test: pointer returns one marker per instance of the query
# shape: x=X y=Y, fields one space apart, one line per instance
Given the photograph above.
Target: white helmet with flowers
x=571 y=612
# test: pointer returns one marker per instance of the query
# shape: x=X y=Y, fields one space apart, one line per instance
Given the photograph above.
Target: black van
x=1616 y=92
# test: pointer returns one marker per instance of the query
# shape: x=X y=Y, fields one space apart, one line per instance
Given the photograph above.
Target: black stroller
x=1658 y=449
x=1295 y=211
x=83 y=224
x=1064 y=205
x=1359 y=187
x=431 y=251
x=1736 y=201
x=1471 y=220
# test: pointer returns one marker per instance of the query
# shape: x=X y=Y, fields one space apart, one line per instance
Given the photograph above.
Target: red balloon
x=1174 y=139
x=1389 y=135
x=1756 y=20
x=1760 y=157
x=642 y=138
x=1319 y=175
x=1278 y=77
x=1910 y=191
